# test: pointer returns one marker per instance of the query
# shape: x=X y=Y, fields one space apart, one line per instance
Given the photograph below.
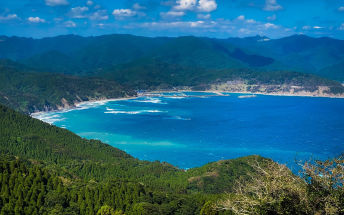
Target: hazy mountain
x=84 y=55
x=335 y=71
x=299 y=52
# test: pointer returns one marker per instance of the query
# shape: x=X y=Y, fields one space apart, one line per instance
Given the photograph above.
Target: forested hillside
x=77 y=55
x=27 y=90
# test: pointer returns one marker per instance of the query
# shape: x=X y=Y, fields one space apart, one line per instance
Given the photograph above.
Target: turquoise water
x=202 y=127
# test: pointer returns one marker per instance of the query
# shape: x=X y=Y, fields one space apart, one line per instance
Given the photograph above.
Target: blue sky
x=212 y=18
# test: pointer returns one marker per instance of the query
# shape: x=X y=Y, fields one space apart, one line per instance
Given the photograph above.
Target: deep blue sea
x=192 y=131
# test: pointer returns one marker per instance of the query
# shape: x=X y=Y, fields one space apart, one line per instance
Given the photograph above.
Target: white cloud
x=70 y=24
x=272 y=5
x=78 y=12
x=272 y=18
x=58 y=19
x=171 y=14
x=35 y=20
x=89 y=3
x=9 y=17
x=178 y=24
x=100 y=25
x=185 y=4
x=99 y=15
x=137 y=6
x=317 y=27
x=270 y=25
x=200 y=5
x=251 y=21
x=207 y=5
x=56 y=2
x=306 y=27
x=203 y=16
x=341 y=27
x=241 y=17
x=120 y=13
x=341 y=8
x=196 y=24
x=219 y=28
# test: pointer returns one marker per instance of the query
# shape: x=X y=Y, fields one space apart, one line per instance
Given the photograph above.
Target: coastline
x=220 y=93
x=79 y=105
x=95 y=102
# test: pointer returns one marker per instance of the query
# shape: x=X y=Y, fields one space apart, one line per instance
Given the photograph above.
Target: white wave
x=179 y=118
x=133 y=112
x=246 y=96
x=150 y=100
x=109 y=109
x=90 y=104
x=48 y=117
x=176 y=97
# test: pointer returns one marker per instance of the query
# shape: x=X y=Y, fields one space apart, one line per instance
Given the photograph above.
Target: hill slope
x=28 y=91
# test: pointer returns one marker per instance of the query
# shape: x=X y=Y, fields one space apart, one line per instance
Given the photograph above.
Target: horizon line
x=135 y=35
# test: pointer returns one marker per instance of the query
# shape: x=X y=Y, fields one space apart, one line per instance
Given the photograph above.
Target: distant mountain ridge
x=78 y=55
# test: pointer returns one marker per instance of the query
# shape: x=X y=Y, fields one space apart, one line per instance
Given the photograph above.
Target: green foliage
x=28 y=91
x=86 y=55
x=152 y=74
x=107 y=210
x=209 y=209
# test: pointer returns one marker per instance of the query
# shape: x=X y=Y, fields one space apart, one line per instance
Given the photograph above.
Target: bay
x=191 y=129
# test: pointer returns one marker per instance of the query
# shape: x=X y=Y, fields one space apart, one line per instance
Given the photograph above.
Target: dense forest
x=50 y=170
x=71 y=54
x=28 y=91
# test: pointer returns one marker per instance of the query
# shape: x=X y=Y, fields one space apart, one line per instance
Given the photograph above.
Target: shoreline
x=79 y=105
x=220 y=93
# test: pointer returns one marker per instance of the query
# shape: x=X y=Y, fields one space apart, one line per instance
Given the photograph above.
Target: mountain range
x=88 y=55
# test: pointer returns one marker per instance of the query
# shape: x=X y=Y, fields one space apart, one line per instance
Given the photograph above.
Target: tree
x=274 y=189
x=209 y=209
x=325 y=185
x=107 y=210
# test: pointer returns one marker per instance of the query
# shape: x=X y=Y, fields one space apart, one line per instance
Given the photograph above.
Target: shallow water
x=192 y=131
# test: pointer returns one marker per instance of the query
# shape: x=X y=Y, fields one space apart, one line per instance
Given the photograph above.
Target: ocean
x=191 y=129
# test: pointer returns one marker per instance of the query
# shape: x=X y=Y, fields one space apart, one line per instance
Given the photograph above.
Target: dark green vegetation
x=86 y=55
x=48 y=170
x=59 y=71
x=154 y=74
x=28 y=90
